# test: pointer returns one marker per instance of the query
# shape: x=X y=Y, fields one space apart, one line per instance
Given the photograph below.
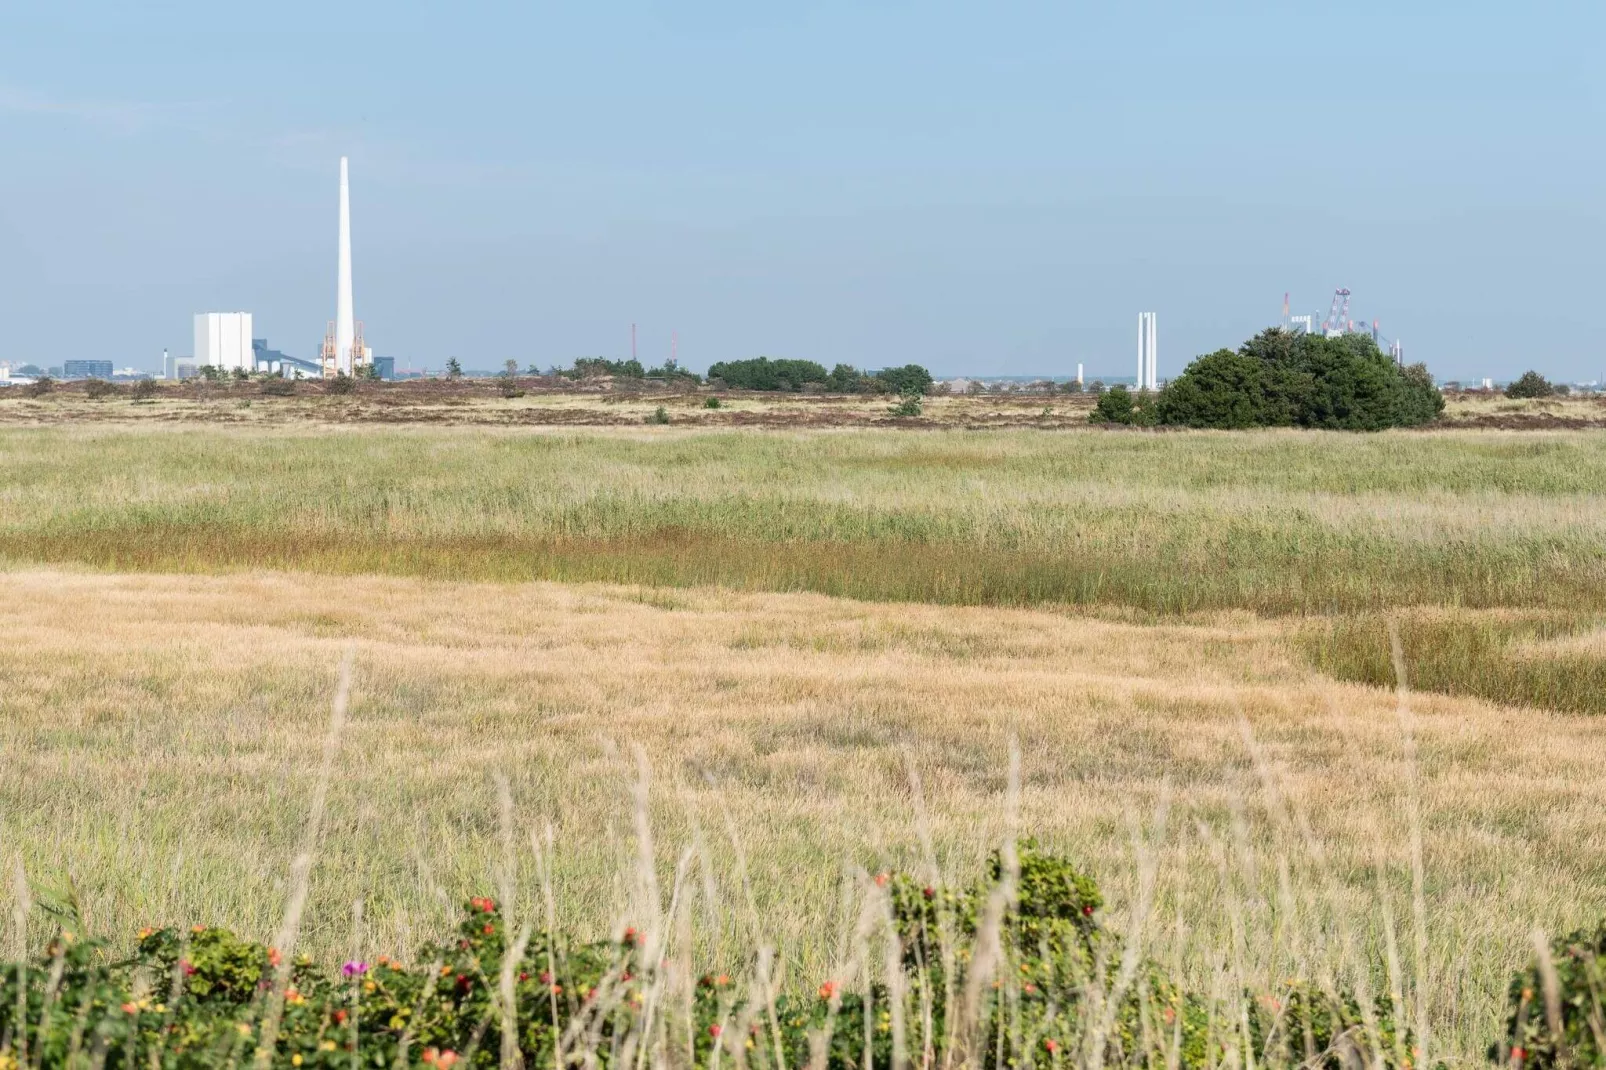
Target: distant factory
x=224 y=340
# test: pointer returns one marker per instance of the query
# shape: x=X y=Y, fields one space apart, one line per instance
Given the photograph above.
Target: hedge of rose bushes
x=1015 y=972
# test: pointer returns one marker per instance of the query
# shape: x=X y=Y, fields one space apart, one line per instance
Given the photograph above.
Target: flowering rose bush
x=1566 y=1026
x=990 y=978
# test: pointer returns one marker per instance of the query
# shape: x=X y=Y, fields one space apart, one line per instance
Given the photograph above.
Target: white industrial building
x=223 y=340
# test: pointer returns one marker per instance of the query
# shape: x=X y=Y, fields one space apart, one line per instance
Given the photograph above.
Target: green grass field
x=1274 y=523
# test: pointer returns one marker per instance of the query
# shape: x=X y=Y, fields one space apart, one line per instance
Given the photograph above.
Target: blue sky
x=983 y=188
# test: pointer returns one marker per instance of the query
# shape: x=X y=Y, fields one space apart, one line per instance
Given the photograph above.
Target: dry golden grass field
x=176 y=604
x=163 y=732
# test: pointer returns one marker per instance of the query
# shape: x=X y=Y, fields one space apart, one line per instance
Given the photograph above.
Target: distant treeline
x=1282 y=379
x=762 y=373
x=596 y=367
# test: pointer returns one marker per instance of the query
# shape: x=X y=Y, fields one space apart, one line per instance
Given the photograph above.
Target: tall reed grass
x=1513 y=658
x=1275 y=522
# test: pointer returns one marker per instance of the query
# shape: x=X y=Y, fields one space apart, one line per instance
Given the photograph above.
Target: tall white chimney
x=1148 y=344
x=1154 y=349
x=1078 y=374
x=1143 y=347
x=345 y=318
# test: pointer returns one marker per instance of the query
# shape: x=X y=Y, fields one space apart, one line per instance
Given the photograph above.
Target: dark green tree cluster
x=1283 y=379
x=909 y=379
x=596 y=367
x=673 y=372
x=761 y=373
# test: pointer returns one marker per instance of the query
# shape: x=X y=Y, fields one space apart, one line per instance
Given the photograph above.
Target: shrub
x=1115 y=406
x=711 y=402
x=989 y=980
x=660 y=415
x=278 y=386
x=910 y=405
x=41 y=386
x=1530 y=385
x=341 y=384
x=508 y=385
x=144 y=389
x=1566 y=1026
x=1308 y=1027
x=100 y=388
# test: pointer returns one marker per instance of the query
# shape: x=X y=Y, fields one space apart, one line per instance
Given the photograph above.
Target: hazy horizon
x=987 y=192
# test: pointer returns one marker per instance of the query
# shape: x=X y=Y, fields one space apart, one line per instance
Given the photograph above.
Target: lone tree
x=454 y=369
x=1530 y=385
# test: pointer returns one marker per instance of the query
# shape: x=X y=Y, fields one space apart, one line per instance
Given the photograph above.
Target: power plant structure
x=343 y=350
x=223 y=341
x=1148 y=342
x=1338 y=323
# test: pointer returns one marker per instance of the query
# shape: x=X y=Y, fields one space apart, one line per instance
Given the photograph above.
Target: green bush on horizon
x=1531 y=385
x=1283 y=379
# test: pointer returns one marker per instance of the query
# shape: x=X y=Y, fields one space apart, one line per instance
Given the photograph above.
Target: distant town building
x=86 y=369
x=185 y=368
x=223 y=340
x=385 y=367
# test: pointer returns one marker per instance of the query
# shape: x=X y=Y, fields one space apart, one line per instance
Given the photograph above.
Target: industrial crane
x=1338 y=314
